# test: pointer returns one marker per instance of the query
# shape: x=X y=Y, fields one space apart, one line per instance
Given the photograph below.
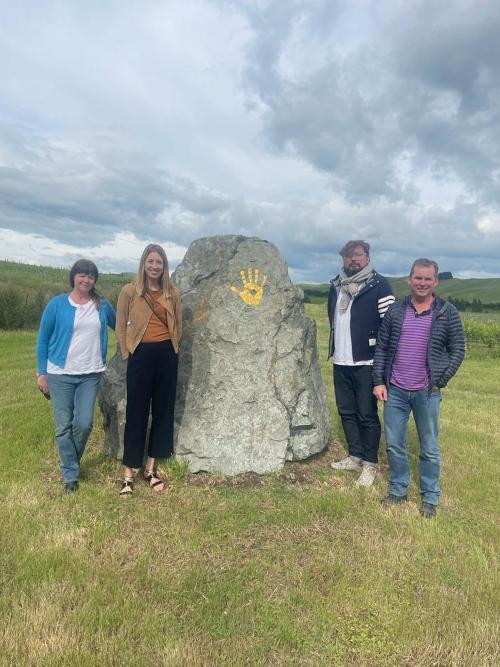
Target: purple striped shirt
x=410 y=369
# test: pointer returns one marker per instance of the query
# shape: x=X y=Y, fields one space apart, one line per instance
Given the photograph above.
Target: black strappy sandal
x=153 y=480
x=127 y=487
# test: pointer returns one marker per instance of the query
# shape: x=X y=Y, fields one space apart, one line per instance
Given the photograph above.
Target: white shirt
x=84 y=353
x=342 y=336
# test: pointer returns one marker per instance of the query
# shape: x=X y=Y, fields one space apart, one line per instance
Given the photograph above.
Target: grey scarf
x=349 y=286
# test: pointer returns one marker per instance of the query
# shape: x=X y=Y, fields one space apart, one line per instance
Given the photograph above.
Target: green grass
x=299 y=568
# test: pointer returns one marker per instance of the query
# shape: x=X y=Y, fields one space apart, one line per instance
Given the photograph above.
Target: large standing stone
x=250 y=394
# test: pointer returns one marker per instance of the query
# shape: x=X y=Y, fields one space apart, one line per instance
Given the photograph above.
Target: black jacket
x=446 y=347
x=367 y=310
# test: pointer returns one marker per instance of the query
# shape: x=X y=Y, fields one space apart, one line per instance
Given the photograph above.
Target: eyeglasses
x=355 y=255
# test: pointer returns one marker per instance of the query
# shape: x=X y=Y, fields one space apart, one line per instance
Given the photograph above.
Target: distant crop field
x=467 y=293
x=491 y=316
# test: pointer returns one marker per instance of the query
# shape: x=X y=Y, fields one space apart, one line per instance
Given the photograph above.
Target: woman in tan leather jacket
x=148 y=329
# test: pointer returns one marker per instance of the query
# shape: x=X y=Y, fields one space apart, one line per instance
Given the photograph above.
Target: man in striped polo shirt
x=357 y=301
x=420 y=347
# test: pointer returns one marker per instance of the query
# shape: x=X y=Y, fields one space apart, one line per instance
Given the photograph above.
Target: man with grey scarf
x=357 y=302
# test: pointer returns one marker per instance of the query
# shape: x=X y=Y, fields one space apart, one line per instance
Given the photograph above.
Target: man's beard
x=352 y=270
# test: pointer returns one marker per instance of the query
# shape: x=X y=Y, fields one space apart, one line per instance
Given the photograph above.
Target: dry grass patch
x=477 y=645
x=46 y=620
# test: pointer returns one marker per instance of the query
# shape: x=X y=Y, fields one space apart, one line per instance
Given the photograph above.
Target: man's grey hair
x=423 y=261
x=348 y=249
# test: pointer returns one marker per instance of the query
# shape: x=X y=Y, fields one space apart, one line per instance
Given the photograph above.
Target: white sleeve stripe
x=386 y=300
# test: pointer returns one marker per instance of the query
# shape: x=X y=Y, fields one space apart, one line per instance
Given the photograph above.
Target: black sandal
x=127 y=487
x=153 y=480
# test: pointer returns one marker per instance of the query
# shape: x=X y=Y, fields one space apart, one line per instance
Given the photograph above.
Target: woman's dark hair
x=88 y=268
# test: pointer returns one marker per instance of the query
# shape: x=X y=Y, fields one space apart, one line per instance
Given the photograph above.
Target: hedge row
x=22 y=308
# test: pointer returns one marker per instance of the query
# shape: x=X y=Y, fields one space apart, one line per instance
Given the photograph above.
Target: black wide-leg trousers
x=151 y=384
x=357 y=408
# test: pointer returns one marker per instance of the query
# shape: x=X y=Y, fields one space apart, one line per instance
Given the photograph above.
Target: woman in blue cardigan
x=71 y=353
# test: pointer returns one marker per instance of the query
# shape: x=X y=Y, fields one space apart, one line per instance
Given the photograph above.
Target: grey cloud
x=162 y=144
x=452 y=47
x=75 y=194
x=397 y=235
x=85 y=196
x=426 y=85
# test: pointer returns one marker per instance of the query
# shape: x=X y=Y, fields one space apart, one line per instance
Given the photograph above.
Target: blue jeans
x=425 y=408
x=73 y=401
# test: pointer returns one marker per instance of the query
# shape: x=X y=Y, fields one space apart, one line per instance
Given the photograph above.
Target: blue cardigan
x=56 y=330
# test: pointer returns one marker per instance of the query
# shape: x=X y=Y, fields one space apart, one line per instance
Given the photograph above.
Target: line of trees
x=319 y=295
x=474 y=306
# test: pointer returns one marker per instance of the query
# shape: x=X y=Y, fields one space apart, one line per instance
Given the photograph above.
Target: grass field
x=296 y=569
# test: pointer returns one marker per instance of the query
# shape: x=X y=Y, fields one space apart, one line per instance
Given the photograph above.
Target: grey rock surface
x=113 y=402
x=250 y=393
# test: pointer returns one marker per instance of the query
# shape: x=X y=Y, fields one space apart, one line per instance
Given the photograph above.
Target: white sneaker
x=349 y=463
x=367 y=476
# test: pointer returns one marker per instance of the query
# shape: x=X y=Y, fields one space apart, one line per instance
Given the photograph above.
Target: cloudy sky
x=304 y=122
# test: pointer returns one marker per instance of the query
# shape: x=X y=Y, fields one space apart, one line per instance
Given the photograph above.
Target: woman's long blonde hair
x=142 y=283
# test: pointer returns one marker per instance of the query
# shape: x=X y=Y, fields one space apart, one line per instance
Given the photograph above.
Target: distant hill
x=25 y=289
x=47 y=277
x=486 y=290
x=471 y=292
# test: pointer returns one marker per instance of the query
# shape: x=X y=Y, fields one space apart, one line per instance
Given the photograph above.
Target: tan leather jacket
x=133 y=314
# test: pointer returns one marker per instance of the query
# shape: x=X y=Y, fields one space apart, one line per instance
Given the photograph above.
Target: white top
x=343 y=344
x=84 y=353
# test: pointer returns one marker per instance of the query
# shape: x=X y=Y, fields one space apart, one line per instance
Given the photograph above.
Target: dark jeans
x=151 y=383
x=357 y=408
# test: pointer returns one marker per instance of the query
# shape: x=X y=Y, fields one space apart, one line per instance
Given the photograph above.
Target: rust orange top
x=157 y=328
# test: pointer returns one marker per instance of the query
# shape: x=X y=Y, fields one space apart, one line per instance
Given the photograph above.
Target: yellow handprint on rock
x=252 y=292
